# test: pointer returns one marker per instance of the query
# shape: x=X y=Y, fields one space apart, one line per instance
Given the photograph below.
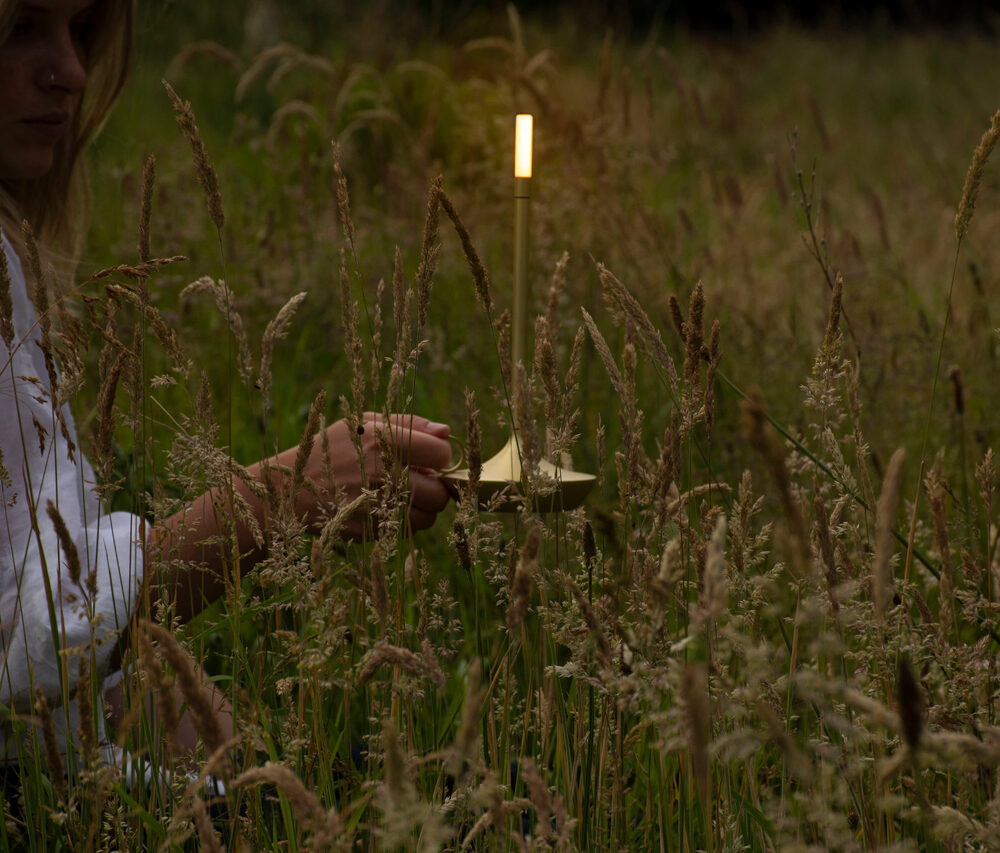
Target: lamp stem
x=519 y=319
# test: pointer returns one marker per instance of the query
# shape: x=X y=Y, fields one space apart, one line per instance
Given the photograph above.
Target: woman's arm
x=197 y=535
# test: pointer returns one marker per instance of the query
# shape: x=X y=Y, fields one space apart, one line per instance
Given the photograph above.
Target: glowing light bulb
x=522 y=146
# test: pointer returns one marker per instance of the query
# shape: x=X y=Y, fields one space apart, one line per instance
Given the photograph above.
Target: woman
x=62 y=63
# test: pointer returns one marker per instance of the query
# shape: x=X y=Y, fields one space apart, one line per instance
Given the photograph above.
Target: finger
x=427 y=492
x=420 y=520
x=421 y=450
x=407 y=422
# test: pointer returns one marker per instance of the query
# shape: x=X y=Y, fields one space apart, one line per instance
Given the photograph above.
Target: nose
x=66 y=69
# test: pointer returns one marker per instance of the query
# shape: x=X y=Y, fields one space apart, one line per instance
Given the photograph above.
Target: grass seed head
x=206 y=721
x=71 y=555
x=84 y=699
x=146 y=207
x=53 y=756
x=520 y=587
x=474 y=442
x=343 y=199
x=648 y=333
x=974 y=177
x=430 y=249
x=207 y=836
x=203 y=166
x=480 y=277
x=592 y=621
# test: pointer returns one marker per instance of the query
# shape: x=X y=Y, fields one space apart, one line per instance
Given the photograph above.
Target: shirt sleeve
x=65 y=591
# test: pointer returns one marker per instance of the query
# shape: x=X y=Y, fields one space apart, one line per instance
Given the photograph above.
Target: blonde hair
x=55 y=204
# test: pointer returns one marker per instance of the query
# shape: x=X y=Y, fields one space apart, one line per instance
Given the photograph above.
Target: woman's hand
x=193 y=535
x=413 y=441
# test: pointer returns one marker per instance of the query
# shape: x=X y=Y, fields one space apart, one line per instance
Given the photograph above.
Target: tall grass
x=725 y=649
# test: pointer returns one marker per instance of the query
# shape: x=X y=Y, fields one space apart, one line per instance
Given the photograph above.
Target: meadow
x=763 y=276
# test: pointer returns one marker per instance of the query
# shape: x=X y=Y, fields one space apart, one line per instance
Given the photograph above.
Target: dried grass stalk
x=715 y=589
x=430 y=249
x=162 y=689
x=557 y=287
x=480 y=277
x=520 y=588
x=464 y=753
x=648 y=333
x=380 y=587
x=304 y=451
x=698 y=714
x=146 y=207
x=694 y=336
x=503 y=347
x=974 y=177
x=105 y=422
x=762 y=436
x=911 y=716
x=825 y=543
x=604 y=351
x=206 y=721
x=545 y=368
x=461 y=540
x=591 y=620
x=529 y=445
x=957 y=389
x=332 y=531
x=207 y=835
x=343 y=198
x=53 y=758
x=224 y=302
x=275 y=331
x=714 y=357
x=85 y=704
x=325 y=825
x=6 y=303
x=71 y=556
x=384 y=653
x=402 y=313
x=39 y=296
x=888 y=500
x=474 y=443
x=936 y=495
x=206 y=171
x=351 y=326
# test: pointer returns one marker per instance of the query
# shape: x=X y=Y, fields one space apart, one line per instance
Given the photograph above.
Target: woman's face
x=43 y=70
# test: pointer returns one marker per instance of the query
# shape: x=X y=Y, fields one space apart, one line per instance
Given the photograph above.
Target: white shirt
x=34 y=652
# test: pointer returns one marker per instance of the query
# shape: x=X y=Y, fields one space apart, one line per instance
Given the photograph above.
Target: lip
x=47 y=126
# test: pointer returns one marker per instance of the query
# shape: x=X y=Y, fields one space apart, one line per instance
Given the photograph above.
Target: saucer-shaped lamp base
x=500 y=484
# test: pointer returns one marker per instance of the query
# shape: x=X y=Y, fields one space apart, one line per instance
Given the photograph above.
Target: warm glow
x=522 y=146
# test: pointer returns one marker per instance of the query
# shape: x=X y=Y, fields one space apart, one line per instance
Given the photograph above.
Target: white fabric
x=33 y=652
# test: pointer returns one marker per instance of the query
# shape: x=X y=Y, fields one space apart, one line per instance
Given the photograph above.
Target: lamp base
x=500 y=483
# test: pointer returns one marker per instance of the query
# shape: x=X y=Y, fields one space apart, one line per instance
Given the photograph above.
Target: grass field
x=767 y=629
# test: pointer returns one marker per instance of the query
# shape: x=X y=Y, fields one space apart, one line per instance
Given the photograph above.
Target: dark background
x=732 y=16
x=306 y=21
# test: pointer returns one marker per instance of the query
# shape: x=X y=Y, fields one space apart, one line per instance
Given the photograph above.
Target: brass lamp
x=501 y=478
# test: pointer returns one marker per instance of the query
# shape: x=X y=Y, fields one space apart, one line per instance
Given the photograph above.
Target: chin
x=28 y=167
